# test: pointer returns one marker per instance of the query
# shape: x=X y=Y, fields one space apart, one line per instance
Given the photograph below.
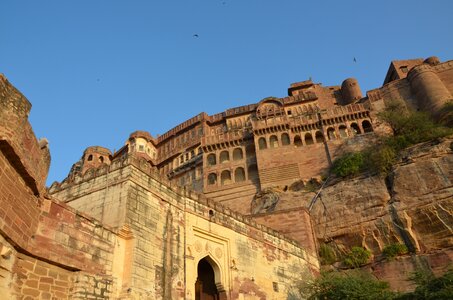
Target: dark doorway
x=205 y=287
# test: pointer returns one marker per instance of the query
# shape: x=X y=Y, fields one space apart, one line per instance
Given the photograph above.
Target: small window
x=285 y=139
x=355 y=128
x=404 y=69
x=343 y=131
x=212 y=179
x=275 y=286
x=101 y=159
x=273 y=141
x=224 y=156
x=297 y=141
x=141 y=148
x=262 y=143
x=211 y=159
x=237 y=154
x=90 y=157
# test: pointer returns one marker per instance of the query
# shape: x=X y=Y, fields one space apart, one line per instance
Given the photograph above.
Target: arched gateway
x=206 y=287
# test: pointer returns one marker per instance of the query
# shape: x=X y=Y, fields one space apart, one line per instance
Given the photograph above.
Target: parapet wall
x=29 y=157
x=46 y=246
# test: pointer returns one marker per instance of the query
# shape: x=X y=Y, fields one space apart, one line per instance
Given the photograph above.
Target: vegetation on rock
x=358 y=256
x=327 y=254
x=409 y=128
x=430 y=287
x=347 y=285
x=354 y=284
x=393 y=250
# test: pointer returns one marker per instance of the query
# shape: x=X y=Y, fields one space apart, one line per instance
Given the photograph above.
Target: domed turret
x=142 y=143
x=350 y=91
x=433 y=60
x=430 y=92
x=94 y=157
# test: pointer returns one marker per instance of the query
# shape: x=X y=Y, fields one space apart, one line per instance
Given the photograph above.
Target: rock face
x=413 y=206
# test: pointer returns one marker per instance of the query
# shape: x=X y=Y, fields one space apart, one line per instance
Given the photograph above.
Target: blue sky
x=97 y=70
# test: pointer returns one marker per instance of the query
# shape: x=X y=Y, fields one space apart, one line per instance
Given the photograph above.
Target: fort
x=211 y=209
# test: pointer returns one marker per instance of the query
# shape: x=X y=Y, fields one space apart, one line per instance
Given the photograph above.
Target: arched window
x=273 y=142
x=366 y=125
x=343 y=131
x=224 y=156
x=355 y=128
x=237 y=154
x=250 y=151
x=101 y=159
x=262 y=143
x=319 y=137
x=225 y=177
x=90 y=157
x=211 y=159
x=239 y=175
x=308 y=139
x=212 y=179
x=253 y=172
x=331 y=133
x=298 y=141
x=285 y=139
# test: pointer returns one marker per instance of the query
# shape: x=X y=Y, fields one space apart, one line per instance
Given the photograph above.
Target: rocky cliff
x=412 y=206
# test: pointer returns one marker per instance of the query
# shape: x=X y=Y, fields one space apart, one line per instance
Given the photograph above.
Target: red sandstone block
x=26 y=264
x=53 y=274
x=44 y=287
x=40 y=270
x=62 y=283
x=46 y=280
x=60 y=295
x=31 y=283
x=31 y=292
x=58 y=289
x=46 y=296
x=63 y=277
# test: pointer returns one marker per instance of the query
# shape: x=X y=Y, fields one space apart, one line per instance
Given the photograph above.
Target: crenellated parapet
x=31 y=157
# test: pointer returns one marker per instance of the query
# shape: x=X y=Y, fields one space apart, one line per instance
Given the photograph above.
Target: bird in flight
x=195 y=35
x=355 y=60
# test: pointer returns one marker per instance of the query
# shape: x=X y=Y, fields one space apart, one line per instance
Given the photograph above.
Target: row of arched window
x=225 y=156
x=309 y=139
x=228 y=177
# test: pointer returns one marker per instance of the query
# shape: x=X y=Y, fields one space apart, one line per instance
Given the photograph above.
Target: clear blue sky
x=97 y=70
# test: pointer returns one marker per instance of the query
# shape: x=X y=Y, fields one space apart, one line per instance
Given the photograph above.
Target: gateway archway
x=205 y=286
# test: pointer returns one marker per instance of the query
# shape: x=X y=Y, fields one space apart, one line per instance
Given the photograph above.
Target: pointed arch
x=209 y=278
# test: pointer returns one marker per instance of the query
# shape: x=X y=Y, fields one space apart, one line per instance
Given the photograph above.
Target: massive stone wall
x=169 y=230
